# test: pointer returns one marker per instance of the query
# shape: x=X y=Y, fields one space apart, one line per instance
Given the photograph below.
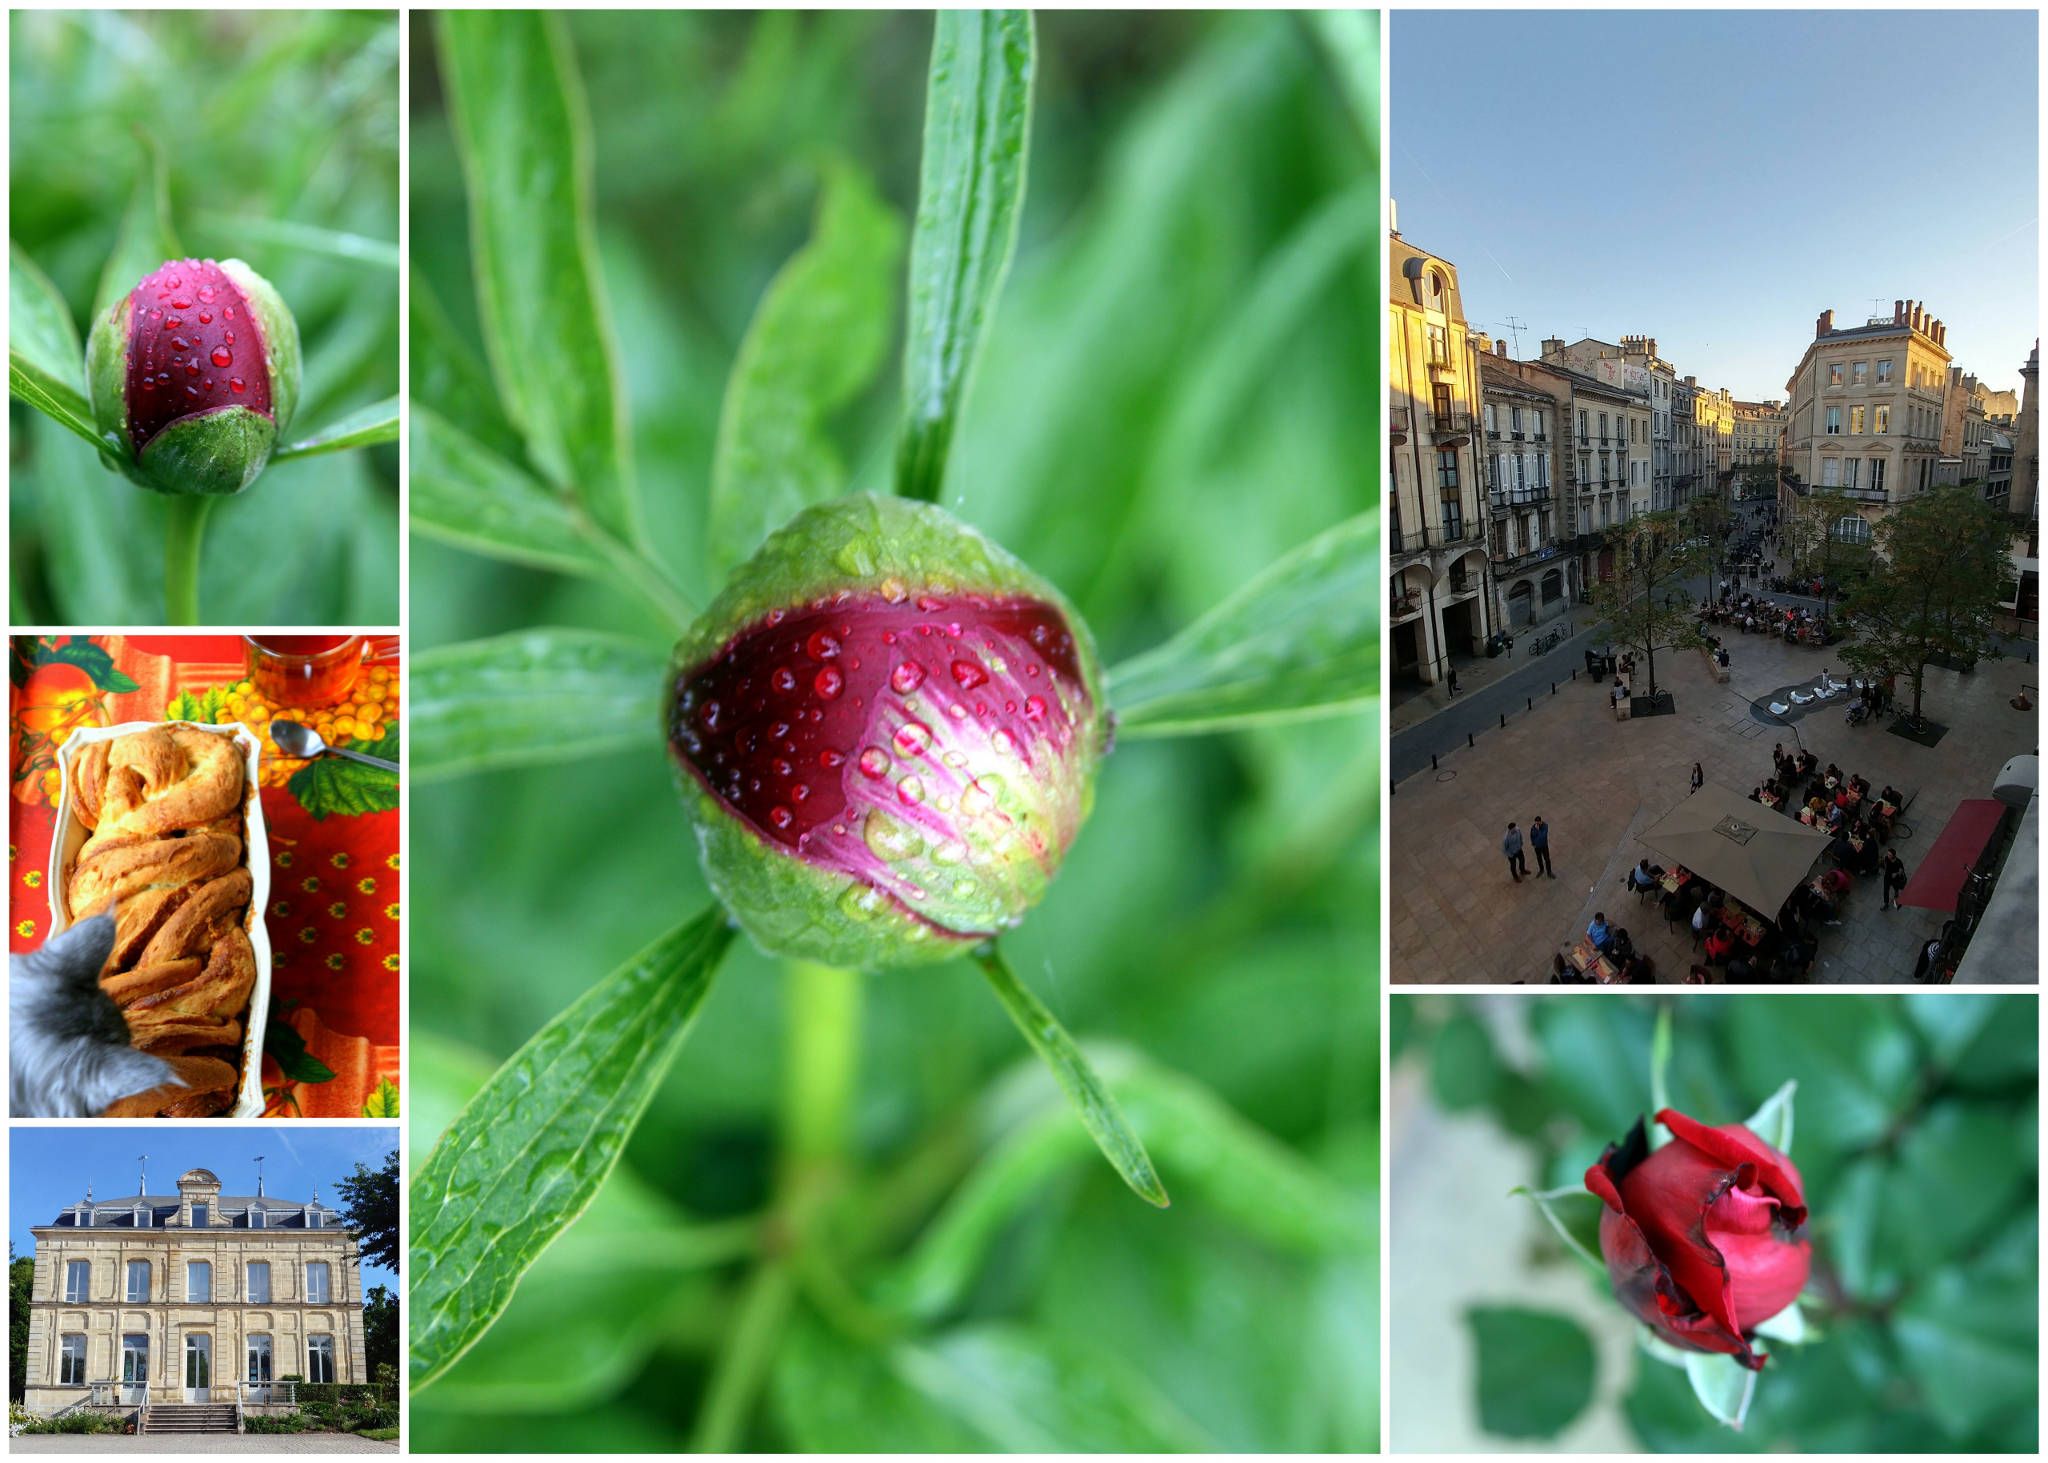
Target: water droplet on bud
x=829 y=682
x=874 y=762
x=238 y=383
x=222 y=356
x=1034 y=707
x=911 y=789
x=907 y=677
x=969 y=674
x=913 y=738
x=822 y=645
x=891 y=839
x=784 y=679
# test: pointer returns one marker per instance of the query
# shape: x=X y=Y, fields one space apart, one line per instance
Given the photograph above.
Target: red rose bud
x=886 y=731
x=1703 y=1238
x=193 y=374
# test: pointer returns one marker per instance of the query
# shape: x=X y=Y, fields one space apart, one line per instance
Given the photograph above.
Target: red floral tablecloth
x=332 y=1042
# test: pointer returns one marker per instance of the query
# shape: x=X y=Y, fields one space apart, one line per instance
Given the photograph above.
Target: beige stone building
x=197 y=1297
x=1625 y=434
x=1523 y=414
x=1756 y=432
x=1866 y=409
x=1711 y=461
x=1437 y=511
x=1965 y=434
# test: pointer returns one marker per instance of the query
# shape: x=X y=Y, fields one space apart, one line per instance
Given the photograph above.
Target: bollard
x=1432 y=761
x=1468 y=740
x=1503 y=721
x=1532 y=702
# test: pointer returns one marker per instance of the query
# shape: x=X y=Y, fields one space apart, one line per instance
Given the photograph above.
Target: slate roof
x=120 y=1213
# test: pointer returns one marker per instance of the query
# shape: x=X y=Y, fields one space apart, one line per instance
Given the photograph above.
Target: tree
x=380 y=1332
x=1706 y=517
x=1819 y=544
x=21 y=1279
x=1941 y=558
x=1645 y=603
x=369 y=1203
x=1760 y=480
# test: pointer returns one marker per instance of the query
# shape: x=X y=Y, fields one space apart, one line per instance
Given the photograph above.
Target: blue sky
x=1717 y=179
x=48 y=1167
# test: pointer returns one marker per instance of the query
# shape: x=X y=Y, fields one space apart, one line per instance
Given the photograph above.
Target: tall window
x=1439 y=346
x=1492 y=426
x=1849 y=472
x=198 y=1280
x=77 y=1281
x=319 y=1358
x=259 y=1282
x=1855 y=421
x=1831 y=472
x=1537 y=425
x=199 y=1216
x=1514 y=419
x=1603 y=426
x=1582 y=424
x=1834 y=375
x=138 y=1282
x=1884 y=372
x=142 y=1216
x=1860 y=373
x=1834 y=421
x=1877 y=474
x=71 y=1362
x=259 y=1360
x=1883 y=423
x=1447 y=468
x=316 y=1282
x=1850 y=529
x=135 y=1359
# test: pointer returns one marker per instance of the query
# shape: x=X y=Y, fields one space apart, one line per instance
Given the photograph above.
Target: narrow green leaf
x=970 y=194
x=1548 y=1202
x=531 y=697
x=53 y=398
x=816 y=339
x=1351 y=40
x=1097 y=1110
x=377 y=422
x=1660 y=1062
x=1535 y=1370
x=1723 y=1385
x=1299 y=641
x=40 y=329
x=516 y=104
x=530 y=1150
x=146 y=238
x=306 y=238
x=1773 y=1121
x=448 y=376
x=466 y=494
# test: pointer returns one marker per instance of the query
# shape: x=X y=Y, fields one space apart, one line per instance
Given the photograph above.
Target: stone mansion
x=194 y=1297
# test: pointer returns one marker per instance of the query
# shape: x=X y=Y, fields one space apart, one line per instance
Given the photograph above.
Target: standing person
x=1451 y=679
x=1539 y=839
x=1699 y=779
x=1892 y=873
x=1511 y=845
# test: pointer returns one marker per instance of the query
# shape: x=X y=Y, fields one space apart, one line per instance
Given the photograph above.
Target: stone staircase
x=217 y=1417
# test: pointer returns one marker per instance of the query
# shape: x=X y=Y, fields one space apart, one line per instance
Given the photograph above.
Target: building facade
x=196 y=1297
x=1641 y=350
x=1685 y=439
x=1436 y=507
x=1866 y=409
x=1621 y=435
x=1523 y=415
x=1756 y=433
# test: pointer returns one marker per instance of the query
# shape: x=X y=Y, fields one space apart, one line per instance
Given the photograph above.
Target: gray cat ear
x=82 y=950
x=126 y=1072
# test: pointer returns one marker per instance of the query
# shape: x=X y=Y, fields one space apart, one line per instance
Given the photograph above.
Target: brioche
x=162 y=810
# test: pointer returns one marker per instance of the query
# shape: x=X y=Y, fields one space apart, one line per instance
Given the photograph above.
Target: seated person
x=1861 y=785
x=1741 y=971
x=1756 y=794
x=1643 y=877
x=1836 y=882
x=1700 y=920
x=1621 y=946
x=1807 y=762
x=1600 y=933
x=1561 y=972
x=1720 y=944
x=1891 y=796
x=1807 y=815
x=1640 y=970
x=1845 y=799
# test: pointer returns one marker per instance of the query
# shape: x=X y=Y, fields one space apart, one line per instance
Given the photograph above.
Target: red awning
x=1939 y=879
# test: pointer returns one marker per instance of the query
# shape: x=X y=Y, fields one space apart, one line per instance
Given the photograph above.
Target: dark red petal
x=1645 y=1287
x=1767 y=1268
x=179 y=335
x=1668 y=1194
x=1734 y=1145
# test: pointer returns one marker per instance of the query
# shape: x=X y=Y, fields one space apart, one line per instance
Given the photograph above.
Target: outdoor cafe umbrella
x=1754 y=854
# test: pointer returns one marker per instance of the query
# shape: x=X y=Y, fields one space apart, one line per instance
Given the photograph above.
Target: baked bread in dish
x=163 y=810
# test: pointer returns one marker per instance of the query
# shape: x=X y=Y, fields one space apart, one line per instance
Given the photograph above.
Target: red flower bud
x=1703 y=1238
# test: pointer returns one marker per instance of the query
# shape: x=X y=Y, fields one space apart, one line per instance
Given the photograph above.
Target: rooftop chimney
x=1898 y=311
x=1552 y=346
x=1825 y=325
x=1500 y=348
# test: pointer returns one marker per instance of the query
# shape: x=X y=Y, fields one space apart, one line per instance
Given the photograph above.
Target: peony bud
x=194 y=372
x=886 y=731
x=1703 y=1238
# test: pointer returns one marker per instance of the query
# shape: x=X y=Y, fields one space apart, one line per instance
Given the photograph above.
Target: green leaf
x=1660 y=1066
x=1535 y=1371
x=517 y=108
x=92 y=659
x=146 y=238
x=529 y=1151
x=336 y=785
x=448 y=377
x=334 y=243
x=1723 y=1385
x=833 y=1395
x=1550 y=1203
x=375 y=423
x=383 y=1103
x=970 y=194
x=1091 y=1101
x=532 y=697
x=40 y=330
x=283 y=1045
x=1351 y=39
x=816 y=339
x=50 y=396
x=1973 y=1349
x=468 y=495
x=1300 y=640
x=1463 y=1068
x=1773 y=1121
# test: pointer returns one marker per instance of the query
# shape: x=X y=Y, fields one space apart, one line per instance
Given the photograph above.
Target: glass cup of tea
x=312 y=670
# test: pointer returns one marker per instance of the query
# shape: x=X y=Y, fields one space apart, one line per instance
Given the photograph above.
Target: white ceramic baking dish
x=71 y=836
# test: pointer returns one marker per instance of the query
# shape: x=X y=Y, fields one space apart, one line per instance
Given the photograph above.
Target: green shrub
x=76 y=1422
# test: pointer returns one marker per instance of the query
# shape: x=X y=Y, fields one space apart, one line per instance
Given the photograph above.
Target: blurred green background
x=280 y=129
x=1916 y=1134
x=1170 y=399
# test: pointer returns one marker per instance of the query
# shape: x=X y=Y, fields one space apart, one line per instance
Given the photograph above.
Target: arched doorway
x=1521 y=605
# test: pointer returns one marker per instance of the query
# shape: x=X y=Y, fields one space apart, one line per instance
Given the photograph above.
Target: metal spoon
x=295 y=740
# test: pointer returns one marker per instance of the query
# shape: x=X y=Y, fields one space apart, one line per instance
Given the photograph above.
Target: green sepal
x=215 y=454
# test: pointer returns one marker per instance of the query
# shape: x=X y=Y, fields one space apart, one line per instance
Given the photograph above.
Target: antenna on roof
x=88 y=1191
x=259 y=1175
x=142 y=1184
x=1515 y=327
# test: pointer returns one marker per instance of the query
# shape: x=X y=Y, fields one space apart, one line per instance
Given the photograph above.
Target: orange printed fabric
x=331 y=1044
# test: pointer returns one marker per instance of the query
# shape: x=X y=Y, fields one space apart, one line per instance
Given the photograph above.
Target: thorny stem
x=182 y=540
x=820 y=1064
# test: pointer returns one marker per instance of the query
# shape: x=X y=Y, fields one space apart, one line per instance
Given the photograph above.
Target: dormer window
x=313 y=1218
x=85 y=1215
x=199 y=1216
x=142 y=1216
x=255 y=1217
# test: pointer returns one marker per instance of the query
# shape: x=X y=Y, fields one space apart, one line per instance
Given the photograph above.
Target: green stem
x=822 y=1064
x=182 y=540
x=645 y=578
x=743 y=1362
x=1098 y=1111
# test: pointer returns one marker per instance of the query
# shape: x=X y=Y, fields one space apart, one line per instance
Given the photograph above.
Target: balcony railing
x=265 y=1394
x=1421 y=540
x=1450 y=423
